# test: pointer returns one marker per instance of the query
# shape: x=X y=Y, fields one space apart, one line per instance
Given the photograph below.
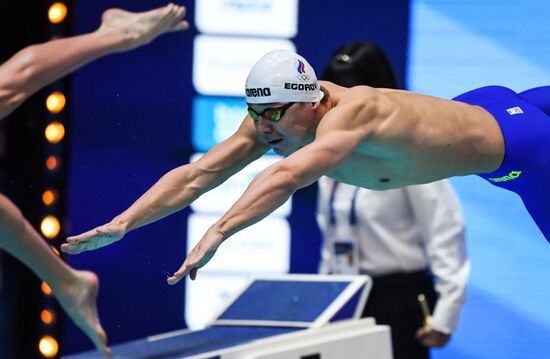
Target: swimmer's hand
x=199 y=256
x=96 y=238
x=430 y=337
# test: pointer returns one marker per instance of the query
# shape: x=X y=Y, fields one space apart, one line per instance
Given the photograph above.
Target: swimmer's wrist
x=122 y=223
x=222 y=235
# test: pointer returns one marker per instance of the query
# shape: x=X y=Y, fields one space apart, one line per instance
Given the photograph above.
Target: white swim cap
x=282 y=76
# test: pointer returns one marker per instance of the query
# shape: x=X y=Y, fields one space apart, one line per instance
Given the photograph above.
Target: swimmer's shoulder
x=361 y=99
x=347 y=93
x=354 y=109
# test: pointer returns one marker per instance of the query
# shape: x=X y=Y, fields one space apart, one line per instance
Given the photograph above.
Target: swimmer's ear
x=316 y=105
x=326 y=94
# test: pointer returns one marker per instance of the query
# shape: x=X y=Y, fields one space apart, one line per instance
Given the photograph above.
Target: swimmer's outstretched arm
x=38 y=65
x=270 y=189
x=176 y=189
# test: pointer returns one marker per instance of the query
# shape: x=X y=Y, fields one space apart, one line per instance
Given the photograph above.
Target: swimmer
x=21 y=76
x=373 y=138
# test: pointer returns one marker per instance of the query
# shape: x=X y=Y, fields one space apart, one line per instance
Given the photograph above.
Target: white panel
x=221 y=198
x=221 y=64
x=205 y=297
x=261 y=248
x=227 y=120
x=278 y=18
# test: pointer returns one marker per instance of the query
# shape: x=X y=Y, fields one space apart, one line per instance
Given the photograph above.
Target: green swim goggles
x=274 y=114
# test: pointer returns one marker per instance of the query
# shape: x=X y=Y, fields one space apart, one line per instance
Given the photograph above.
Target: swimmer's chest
x=373 y=172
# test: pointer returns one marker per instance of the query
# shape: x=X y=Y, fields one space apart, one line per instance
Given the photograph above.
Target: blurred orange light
x=55 y=250
x=46 y=288
x=52 y=163
x=50 y=227
x=48 y=346
x=55 y=132
x=48 y=316
x=49 y=197
x=57 y=12
x=56 y=102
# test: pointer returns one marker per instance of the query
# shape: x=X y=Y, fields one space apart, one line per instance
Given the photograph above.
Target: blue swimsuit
x=524 y=120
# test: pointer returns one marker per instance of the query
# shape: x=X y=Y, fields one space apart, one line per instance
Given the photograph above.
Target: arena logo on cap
x=258 y=92
x=301 y=68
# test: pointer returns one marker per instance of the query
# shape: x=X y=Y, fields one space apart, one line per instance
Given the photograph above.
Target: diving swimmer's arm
x=176 y=189
x=269 y=190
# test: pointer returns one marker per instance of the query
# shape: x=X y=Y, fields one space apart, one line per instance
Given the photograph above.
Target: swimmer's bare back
x=411 y=138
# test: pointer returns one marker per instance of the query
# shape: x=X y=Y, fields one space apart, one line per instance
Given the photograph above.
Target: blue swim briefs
x=525 y=127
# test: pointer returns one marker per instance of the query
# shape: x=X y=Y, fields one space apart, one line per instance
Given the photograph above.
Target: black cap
x=360 y=63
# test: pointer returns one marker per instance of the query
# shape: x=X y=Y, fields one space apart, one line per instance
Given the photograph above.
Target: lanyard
x=352 y=212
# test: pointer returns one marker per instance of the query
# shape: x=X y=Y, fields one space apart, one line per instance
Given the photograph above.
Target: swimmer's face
x=286 y=127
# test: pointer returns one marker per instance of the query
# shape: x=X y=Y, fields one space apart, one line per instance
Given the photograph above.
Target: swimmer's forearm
x=274 y=186
x=267 y=192
x=181 y=186
x=173 y=192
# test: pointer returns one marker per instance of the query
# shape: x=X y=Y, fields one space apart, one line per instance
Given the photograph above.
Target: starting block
x=271 y=317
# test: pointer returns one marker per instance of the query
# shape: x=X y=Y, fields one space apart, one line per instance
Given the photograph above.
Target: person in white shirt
x=400 y=237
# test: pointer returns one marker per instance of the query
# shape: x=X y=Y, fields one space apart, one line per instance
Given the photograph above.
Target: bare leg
x=75 y=290
x=38 y=65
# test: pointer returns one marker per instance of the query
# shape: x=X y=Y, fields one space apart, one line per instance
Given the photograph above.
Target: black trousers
x=393 y=301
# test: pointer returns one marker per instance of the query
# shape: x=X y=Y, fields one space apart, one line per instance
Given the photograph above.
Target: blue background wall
x=131 y=124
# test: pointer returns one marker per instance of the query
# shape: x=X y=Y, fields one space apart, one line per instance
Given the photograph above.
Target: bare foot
x=78 y=299
x=137 y=29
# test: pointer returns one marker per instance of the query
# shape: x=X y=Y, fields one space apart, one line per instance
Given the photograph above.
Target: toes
x=182 y=25
x=180 y=12
x=175 y=13
x=178 y=23
x=103 y=343
x=171 y=9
